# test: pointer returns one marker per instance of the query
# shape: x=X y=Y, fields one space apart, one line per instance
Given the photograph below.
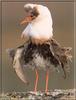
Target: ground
x=56 y=94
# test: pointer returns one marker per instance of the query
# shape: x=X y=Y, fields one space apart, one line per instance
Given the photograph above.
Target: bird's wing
x=17 y=61
x=62 y=54
x=20 y=73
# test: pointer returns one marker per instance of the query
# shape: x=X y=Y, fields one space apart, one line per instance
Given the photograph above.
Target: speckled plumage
x=48 y=55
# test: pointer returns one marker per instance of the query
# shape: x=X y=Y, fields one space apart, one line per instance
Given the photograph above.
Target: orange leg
x=36 y=81
x=47 y=77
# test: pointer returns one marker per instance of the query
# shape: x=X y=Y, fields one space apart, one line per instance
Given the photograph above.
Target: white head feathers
x=41 y=26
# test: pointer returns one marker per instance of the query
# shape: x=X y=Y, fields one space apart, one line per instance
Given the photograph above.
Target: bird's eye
x=34 y=12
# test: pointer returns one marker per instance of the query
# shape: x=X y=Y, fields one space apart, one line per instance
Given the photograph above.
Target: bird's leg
x=47 y=77
x=36 y=81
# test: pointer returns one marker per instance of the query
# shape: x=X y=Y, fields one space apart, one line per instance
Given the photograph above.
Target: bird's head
x=35 y=11
x=32 y=13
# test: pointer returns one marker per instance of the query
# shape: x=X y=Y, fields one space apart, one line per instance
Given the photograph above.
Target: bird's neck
x=39 y=41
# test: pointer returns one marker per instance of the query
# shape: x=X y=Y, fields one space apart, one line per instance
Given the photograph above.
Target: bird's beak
x=26 y=20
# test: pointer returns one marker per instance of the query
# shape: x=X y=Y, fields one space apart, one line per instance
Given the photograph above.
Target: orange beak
x=26 y=20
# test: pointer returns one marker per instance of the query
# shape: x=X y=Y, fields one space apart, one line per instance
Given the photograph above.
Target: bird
x=41 y=51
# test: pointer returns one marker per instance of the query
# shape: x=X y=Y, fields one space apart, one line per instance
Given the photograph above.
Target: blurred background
x=63 y=28
x=0 y=48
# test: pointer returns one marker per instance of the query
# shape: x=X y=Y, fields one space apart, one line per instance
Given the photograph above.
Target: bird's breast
x=41 y=30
